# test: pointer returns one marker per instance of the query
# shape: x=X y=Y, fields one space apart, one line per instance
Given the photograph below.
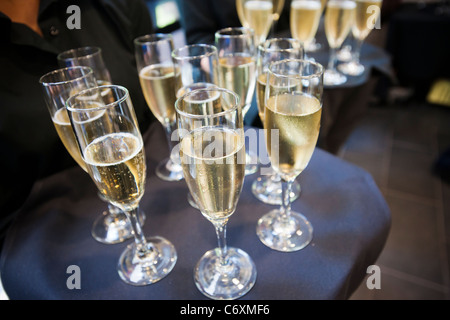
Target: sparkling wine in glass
x=159 y=79
x=111 y=145
x=237 y=72
x=304 y=20
x=257 y=15
x=198 y=67
x=339 y=17
x=213 y=158
x=58 y=85
x=293 y=111
x=112 y=226
x=366 y=14
x=267 y=187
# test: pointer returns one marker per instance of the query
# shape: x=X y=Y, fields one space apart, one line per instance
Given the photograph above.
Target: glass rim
x=213 y=50
x=102 y=107
x=246 y=31
x=97 y=51
x=88 y=70
x=152 y=38
x=316 y=74
x=263 y=46
x=215 y=115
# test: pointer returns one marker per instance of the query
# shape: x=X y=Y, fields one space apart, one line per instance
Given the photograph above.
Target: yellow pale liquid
x=366 y=14
x=159 y=84
x=258 y=15
x=305 y=18
x=237 y=73
x=67 y=136
x=296 y=120
x=213 y=161
x=260 y=94
x=339 y=17
x=116 y=163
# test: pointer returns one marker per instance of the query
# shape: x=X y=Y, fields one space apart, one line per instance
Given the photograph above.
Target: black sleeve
x=202 y=18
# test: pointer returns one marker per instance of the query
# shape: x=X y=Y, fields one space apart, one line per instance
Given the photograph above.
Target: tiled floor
x=398 y=144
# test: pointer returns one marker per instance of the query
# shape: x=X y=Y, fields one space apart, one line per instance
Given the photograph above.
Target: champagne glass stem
x=221 y=232
x=169 y=129
x=332 y=59
x=286 y=199
x=113 y=211
x=139 y=237
x=357 y=50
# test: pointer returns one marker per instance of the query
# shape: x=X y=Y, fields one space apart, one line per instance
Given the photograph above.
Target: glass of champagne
x=304 y=20
x=267 y=187
x=339 y=17
x=159 y=78
x=213 y=158
x=257 y=15
x=366 y=14
x=198 y=67
x=292 y=119
x=58 y=85
x=112 y=226
x=112 y=148
x=237 y=72
x=86 y=56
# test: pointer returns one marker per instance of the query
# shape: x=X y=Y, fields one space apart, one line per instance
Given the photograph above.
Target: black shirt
x=29 y=145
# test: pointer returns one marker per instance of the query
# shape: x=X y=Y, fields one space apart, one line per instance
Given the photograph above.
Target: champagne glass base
x=225 y=281
x=286 y=236
x=313 y=46
x=333 y=78
x=345 y=54
x=268 y=190
x=351 y=68
x=169 y=171
x=149 y=268
x=112 y=228
x=251 y=163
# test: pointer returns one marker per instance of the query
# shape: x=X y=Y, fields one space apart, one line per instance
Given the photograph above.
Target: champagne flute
x=304 y=20
x=58 y=85
x=267 y=187
x=159 y=78
x=112 y=148
x=86 y=56
x=197 y=64
x=314 y=45
x=213 y=158
x=365 y=19
x=112 y=226
x=237 y=72
x=257 y=15
x=339 y=18
x=292 y=119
